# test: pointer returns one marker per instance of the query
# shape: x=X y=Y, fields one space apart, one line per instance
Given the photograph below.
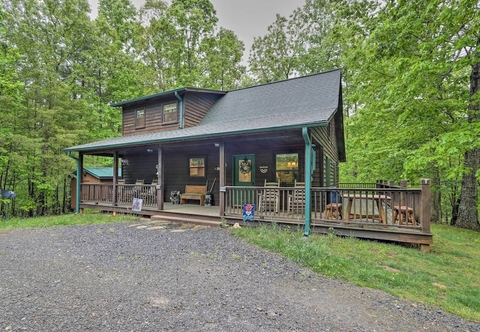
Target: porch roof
x=308 y=101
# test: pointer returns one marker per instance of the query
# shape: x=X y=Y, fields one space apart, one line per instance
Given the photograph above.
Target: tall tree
x=411 y=82
x=274 y=56
x=193 y=23
x=224 y=70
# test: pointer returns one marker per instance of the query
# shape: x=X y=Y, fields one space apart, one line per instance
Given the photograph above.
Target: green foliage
x=410 y=99
x=445 y=277
x=60 y=70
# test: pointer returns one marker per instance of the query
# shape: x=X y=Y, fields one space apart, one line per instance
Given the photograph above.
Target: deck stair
x=188 y=219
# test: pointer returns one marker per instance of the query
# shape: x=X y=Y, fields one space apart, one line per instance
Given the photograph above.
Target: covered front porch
x=378 y=211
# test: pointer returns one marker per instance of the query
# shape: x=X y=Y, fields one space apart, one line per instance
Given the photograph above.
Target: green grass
x=87 y=218
x=447 y=277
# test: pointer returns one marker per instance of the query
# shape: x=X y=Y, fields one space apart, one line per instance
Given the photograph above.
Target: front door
x=244 y=170
x=244 y=176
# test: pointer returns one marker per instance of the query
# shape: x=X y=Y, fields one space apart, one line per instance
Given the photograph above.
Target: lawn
x=447 y=277
x=89 y=217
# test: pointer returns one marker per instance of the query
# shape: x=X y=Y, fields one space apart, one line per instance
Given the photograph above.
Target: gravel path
x=116 y=277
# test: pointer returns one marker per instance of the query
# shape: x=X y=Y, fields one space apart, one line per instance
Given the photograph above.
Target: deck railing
x=389 y=207
x=385 y=206
x=103 y=193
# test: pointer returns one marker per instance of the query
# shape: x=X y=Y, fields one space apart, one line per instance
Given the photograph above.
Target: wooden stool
x=333 y=211
x=403 y=211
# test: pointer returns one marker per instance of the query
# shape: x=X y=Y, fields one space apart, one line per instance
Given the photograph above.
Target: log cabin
x=288 y=133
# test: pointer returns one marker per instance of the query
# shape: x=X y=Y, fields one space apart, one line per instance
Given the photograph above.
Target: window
x=197 y=167
x=286 y=166
x=140 y=118
x=170 y=112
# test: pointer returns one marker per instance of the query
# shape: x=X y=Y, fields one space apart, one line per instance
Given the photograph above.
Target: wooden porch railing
x=388 y=207
x=385 y=206
x=103 y=193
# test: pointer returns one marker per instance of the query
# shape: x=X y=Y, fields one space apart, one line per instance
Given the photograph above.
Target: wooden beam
x=425 y=213
x=222 y=180
x=115 y=178
x=160 y=195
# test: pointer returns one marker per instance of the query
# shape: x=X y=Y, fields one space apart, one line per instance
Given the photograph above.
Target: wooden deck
x=369 y=213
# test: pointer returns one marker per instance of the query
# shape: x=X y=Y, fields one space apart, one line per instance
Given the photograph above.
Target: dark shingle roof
x=317 y=94
x=294 y=103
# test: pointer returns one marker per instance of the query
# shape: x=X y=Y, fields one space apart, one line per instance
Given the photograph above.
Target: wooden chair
x=137 y=189
x=405 y=212
x=270 y=197
x=120 y=190
x=149 y=194
x=296 y=201
x=333 y=210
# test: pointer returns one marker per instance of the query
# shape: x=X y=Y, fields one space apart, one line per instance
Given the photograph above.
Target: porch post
x=222 y=180
x=115 y=180
x=425 y=205
x=308 y=180
x=160 y=179
x=79 y=182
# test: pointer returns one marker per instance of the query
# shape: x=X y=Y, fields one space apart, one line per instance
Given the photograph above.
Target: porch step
x=211 y=222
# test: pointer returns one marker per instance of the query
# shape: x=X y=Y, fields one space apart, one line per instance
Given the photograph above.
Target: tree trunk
x=467 y=212
x=435 y=199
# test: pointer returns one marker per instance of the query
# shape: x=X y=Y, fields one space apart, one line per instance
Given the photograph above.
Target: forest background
x=411 y=76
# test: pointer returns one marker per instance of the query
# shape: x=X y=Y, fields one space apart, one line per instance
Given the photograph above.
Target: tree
x=224 y=70
x=411 y=76
x=274 y=56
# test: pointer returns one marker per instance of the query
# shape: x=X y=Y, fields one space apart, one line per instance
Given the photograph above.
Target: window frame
x=190 y=167
x=290 y=170
x=139 y=125
x=176 y=112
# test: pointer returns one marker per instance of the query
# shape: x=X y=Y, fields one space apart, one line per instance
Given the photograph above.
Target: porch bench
x=194 y=193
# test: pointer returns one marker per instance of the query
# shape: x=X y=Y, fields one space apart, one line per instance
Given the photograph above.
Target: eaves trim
x=194 y=137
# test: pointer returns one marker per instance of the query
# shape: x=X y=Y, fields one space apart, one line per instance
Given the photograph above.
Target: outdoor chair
x=405 y=213
x=296 y=200
x=151 y=192
x=137 y=189
x=333 y=209
x=269 y=199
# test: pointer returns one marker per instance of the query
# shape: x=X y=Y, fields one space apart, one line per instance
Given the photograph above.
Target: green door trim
x=235 y=169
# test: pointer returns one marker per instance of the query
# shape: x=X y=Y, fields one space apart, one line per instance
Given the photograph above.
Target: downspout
x=181 y=110
x=77 y=185
x=308 y=180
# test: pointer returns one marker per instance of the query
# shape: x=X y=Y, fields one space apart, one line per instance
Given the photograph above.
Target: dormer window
x=140 y=118
x=170 y=113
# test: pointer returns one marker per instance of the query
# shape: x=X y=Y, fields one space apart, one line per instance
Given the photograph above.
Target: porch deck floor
x=192 y=209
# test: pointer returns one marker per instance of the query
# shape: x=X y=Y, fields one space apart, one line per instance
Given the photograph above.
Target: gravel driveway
x=122 y=277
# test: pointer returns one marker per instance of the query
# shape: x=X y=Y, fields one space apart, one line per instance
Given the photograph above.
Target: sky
x=247 y=18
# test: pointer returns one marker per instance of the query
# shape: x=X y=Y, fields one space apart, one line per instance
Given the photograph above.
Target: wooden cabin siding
x=322 y=136
x=177 y=173
x=318 y=173
x=196 y=106
x=153 y=118
x=141 y=166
